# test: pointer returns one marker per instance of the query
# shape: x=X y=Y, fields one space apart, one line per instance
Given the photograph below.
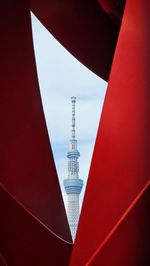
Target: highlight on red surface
x=120 y=163
x=120 y=243
x=27 y=168
x=27 y=241
x=33 y=222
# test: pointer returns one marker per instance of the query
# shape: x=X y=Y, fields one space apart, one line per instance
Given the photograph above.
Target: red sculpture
x=114 y=225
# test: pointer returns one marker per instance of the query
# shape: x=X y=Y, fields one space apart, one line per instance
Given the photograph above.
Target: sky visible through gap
x=61 y=76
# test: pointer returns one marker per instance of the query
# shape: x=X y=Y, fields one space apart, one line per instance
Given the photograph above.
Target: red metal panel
x=114 y=8
x=122 y=248
x=83 y=28
x=24 y=240
x=2 y=260
x=120 y=165
x=27 y=167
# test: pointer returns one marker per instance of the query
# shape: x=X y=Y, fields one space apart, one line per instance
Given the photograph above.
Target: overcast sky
x=60 y=77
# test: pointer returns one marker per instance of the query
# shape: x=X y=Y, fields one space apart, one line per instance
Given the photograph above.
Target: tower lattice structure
x=73 y=184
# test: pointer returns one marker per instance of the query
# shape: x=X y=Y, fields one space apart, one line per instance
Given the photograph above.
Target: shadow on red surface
x=25 y=240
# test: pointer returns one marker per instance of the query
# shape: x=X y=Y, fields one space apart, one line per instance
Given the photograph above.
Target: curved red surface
x=27 y=167
x=2 y=260
x=114 y=8
x=122 y=248
x=25 y=240
x=83 y=28
x=108 y=5
x=120 y=163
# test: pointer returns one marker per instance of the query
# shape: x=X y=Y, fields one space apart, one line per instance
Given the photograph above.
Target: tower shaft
x=73 y=185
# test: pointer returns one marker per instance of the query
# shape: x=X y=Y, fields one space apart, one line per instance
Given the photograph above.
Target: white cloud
x=60 y=77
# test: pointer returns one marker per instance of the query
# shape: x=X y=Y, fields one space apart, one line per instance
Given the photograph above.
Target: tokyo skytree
x=73 y=184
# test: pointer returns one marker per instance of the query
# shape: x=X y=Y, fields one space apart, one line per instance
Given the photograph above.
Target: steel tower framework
x=73 y=184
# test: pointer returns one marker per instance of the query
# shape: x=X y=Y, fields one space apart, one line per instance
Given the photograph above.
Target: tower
x=72 y=183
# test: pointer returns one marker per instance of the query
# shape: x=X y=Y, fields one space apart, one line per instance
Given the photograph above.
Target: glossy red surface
x=108 y=5
x=120 y=163
x=25 y=240
x=114 y=8
x=2 y=260
x=83 y=28
x=122 y=248
x=31 y=206
x=27 y=167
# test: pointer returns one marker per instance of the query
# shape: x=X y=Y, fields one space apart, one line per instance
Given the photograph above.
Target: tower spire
x=73 y=100
x=73 y=185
